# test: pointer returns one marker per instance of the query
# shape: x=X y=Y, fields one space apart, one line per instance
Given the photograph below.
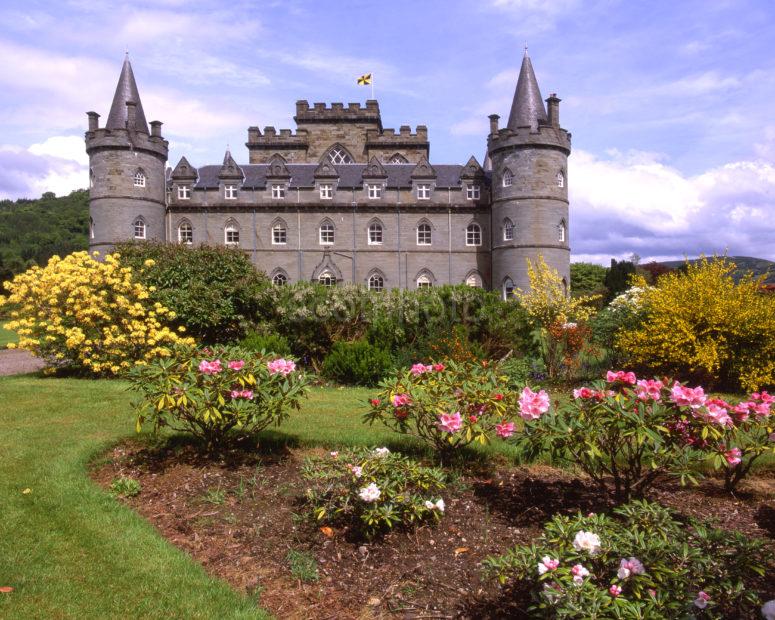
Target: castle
x=343 y=199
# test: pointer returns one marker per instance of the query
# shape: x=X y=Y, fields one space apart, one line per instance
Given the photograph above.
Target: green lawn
x=6 y=336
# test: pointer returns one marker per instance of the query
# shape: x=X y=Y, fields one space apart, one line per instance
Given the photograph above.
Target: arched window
x=508 y=289
x=185 y=233
x=326 y=278
x=139 y=178
x=474 y=280
x=337 y=154
x=565 y=287
x=508 y=178
x=279 y=233
x=474 y=234
x=91 y=178
x=279 y=279
x=91 y=228
x=327 y=233
x=562 y=232
x=424 y=281
x=560 y=179
x=375 y=233
x=424 y=234
x=508 y=230
x=231 y=233
x=376 y=282
x=397 y=158
x=139 y=228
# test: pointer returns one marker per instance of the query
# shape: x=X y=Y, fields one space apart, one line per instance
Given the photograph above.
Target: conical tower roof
x=126 y=90
x=528 y=105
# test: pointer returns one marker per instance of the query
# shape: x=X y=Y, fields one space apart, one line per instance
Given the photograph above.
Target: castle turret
x=529 y=186
x=127 y=184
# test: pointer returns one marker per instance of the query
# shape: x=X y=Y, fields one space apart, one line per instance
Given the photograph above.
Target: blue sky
x=670 y=103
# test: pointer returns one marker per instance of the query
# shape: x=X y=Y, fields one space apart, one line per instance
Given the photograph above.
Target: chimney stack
x=94 y=121
x=156 y=129
x=553 y=110
x=494 y=118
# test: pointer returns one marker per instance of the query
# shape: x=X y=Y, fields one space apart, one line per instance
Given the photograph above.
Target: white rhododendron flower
x=381 y=452
x=587 y=541
x=370 y=493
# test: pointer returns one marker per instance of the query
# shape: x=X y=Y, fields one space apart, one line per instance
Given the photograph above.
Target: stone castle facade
x=343 y=199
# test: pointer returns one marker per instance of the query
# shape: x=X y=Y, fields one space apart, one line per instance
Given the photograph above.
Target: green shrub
x=124 y=487
x=303 y=565
x=212 y=289
x=640 y=562
x=521 y=371
x=357 y=363
x=372 y=490
x=266 y=343
x=215 y=393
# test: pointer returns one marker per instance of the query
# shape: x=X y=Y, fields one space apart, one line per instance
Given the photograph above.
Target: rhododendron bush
x=452 y=404
x=371 y=490
x=217 y=392
x=636 y=432
x=640 y=562
x=88 y=315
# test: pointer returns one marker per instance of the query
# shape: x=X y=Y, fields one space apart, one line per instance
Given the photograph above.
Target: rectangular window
x=232 y=236
x=472 y=192
x=184 y=192
x=423 y=191
x=423 y=234
x=326 y=191
x=279 y=235
x=326 y=234
x=375 y=191
x=230 y=192
x=278 y=191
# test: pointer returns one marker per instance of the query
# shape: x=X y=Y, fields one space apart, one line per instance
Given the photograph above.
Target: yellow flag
x=364 y=80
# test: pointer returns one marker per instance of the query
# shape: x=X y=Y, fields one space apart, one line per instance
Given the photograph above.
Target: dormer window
x=560 y=179
x=184 y=192
x=423 y=191
x=230 y=192
x=398 y=159
x=375 y=192
x=508 y=179
x=139 y=179
x=472 y=192
x=326 y=191
x=278 y=192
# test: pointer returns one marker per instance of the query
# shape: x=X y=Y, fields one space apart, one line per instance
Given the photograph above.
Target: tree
x=617 y=280
x=587 y=279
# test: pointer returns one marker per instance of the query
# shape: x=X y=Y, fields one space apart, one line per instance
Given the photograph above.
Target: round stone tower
x=529 y=186
x=127 y=186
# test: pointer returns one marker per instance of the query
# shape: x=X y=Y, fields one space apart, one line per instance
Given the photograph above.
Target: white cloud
x=70 y=148
x=636 y=203
x=24 y=173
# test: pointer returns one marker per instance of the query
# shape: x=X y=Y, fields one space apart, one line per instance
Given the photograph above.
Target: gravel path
x=17 y=362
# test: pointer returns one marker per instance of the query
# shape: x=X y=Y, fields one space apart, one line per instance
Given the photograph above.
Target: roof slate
x=126 y=90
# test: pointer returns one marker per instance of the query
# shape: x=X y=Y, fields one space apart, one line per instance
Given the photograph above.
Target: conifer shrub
x=639 y=562
x=266 y=343
x=357 y=363
x=90 y=316
x=700 y=324
x=213 y=290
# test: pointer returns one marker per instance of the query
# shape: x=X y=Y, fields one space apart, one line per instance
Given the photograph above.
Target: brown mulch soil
x=240 y=516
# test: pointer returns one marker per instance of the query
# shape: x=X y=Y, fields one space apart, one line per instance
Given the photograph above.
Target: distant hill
x=757 y=266
x=33 y=230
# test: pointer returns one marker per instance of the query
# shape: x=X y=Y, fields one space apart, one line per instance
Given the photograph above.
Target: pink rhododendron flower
x=281 y=366
x=439 y=367
x=761 y=410
x=630 y=566
x=615 y=590
x=620 y=375
x=686 y=396
x=242 y=394
x=532 y=405
x=579 y=572
x=702 y=600
x=587 y=541
x=374 y=402
x=584 y=393
x=547 y=564
x=498 y=396
x=210 y=368
x=504 y=429
x=649 y=389
x=419 y=369
x=733 y=456
x=450 y=422
x=714 y=414
x=771 y=437
x=764 y=397
x=357 y=470
x=236 y=364
x=401 y=400
x=334 y=454
x=370 y=493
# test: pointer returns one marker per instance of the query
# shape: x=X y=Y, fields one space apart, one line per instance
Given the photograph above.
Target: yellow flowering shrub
x=703 y=325
x=81 y=313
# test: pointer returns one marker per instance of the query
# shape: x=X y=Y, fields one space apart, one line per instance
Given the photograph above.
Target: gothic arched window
x=326 y=278
x=231 y=233
x=139 y=178
x=376 y=282
x=185 y=233
x=562 y=232
x=279 y=279
x=560 y=179
x=508 y=230
x=508 y=289
x=337 y=154
x=474 y=280
x=508 y=178
x=139 y=228
x=424 y=280
x=91 y=228
x=473 y=234
x=397 y=158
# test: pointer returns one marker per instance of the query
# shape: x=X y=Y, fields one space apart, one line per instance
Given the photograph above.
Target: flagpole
x=372 y=86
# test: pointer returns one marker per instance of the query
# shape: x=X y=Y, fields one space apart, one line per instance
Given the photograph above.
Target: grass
x=6 y=336
x=303 y=565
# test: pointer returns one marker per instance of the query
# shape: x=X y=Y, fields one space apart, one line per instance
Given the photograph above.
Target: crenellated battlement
x=545 y=135
x=337 y=112
x=116 y=139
